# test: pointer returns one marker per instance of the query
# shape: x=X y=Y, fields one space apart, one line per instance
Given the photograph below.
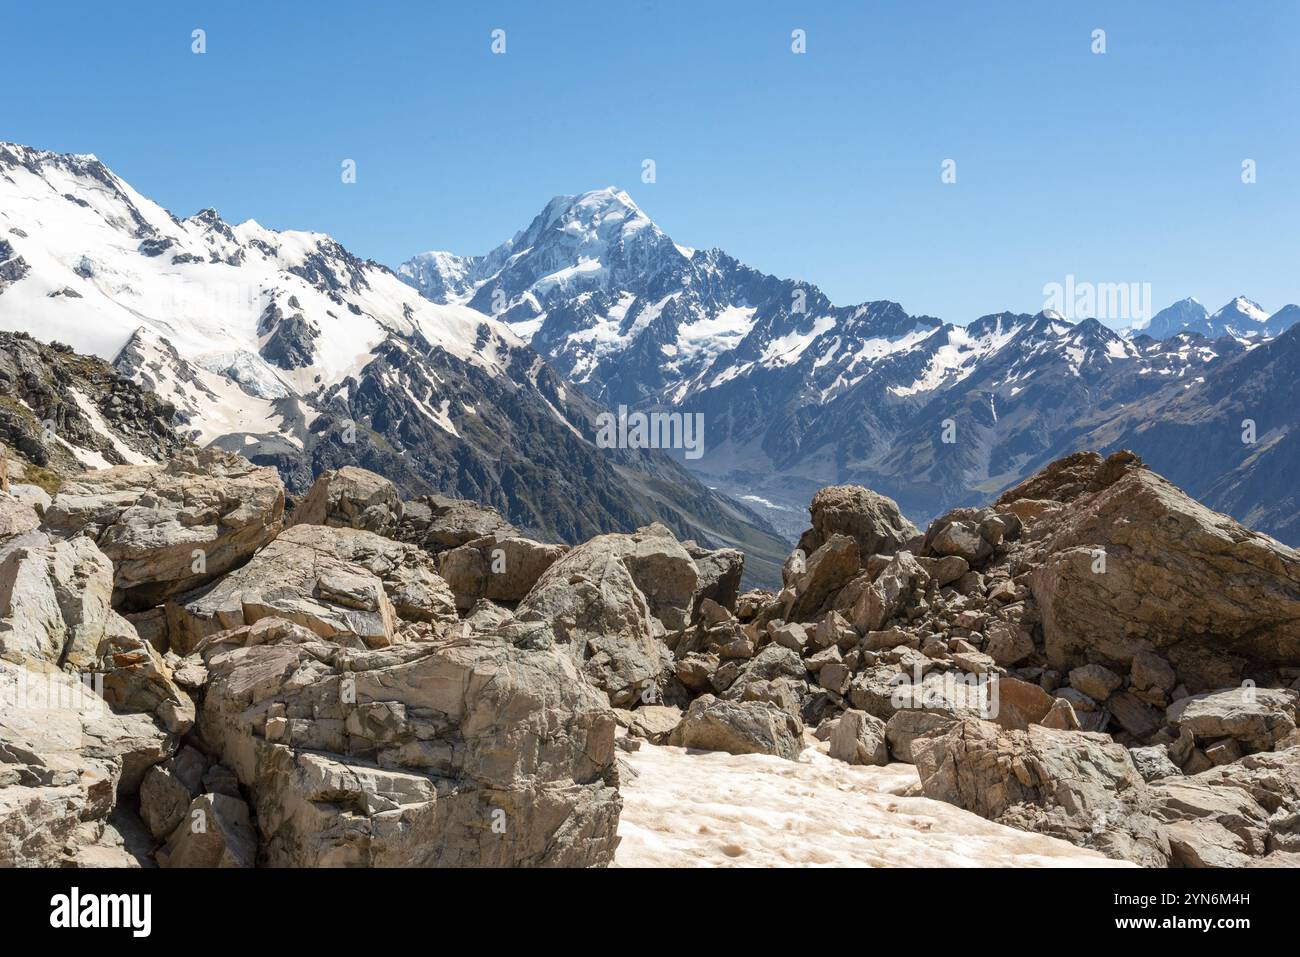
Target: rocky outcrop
x=872 y=520
x=1131 y=564
x=336 y=582
x=65 y=761
x=351 y=497
x=739 y=727
x=471 y=753
x=171 y=528
x=613 y=601
x=437 y=523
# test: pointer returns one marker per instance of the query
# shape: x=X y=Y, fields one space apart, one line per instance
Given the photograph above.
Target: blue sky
x=1122 y=167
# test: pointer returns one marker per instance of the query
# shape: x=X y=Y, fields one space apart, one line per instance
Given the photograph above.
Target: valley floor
x=707 y=809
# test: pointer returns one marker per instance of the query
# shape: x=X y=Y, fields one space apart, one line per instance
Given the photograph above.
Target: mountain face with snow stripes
x=797 y=392
x=283 y=346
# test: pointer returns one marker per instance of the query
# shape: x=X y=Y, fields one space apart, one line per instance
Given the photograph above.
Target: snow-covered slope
x=284 y=346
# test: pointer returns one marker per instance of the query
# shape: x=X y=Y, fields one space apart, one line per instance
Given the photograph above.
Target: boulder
x=476 y=752
x=1020 y=704
x=832 y=566
x=215 y=832
x=437 y=523
x=859 y=738
x=739 y=727
x=904 y=727
x=887 y=595
x=351 y=497
x=16 y=517
x=1096 y=681
x=1074 y=785
x=501 y=568
x=1216 y=600
x=1153 y=762
x=612 y=601
x=171 y=528
x=873 y=521
x=1260 y=718
x=720 y=571
x=339 y=583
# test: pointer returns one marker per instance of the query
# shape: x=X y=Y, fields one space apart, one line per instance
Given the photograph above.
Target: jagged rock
x=1061 y=716
x=16 y=517
x=437 y=523
x=1134 y=715
x=739 y=727
x=351 y=497
x=1259 y=718
x=1021 y=704
x=612 y=600
x=55 y=611
x=1007 y=645
x=652 y=722
x=1152 y=671
x=888 y=593
x=905 y=726
x=859 y=738
x=720 y=571
x=171 y=528
x=67 y=760
x=1074 y=785
x=961 y=532
x=1096 y=681
x=215 y=832
x=872 y=520
x=470 y=753
x=336 y=582
x=497 y=567
x=1232 y=816
x=1153 y=762
x=827 y=570
x=1218 y=601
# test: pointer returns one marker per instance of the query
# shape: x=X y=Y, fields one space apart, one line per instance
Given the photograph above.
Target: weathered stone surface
x=859 y=738
x=612 y=600
x=1096 y=681
x=214 y=832
x=1069 y=784
x=437 y=523
x=475 y=753
x=1021 y=704
x=905 y=726
x=1153 y=762
x=872 y=520
x=171 y=528
x=826 y=571
x=739 y=727
x=1061 y=716
x=888 y=593
x=498 y=567
x=720 y=571
x=16 y=517
x=351 y=497
x=66 y=759
x=1259 y=718
x=1006 y=644
x=1215 y=599
x=336 y=582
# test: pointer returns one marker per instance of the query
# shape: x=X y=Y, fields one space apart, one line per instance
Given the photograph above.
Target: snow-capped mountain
x=797 y=392
x=284 y=346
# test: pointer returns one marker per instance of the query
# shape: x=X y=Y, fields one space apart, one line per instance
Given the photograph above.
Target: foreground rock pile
x=198 y=678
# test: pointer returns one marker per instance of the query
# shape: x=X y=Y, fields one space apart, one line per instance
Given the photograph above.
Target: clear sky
x=825 y=166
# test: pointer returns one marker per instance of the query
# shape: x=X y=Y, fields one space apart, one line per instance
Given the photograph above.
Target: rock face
x=351 y=497
x=1258 y=718
x=171 y=528
x=739 y=727
x=67 y=759
x=613 y=601
x=473 y=753
x=1218 y=601
x=437 y=523
x=336 y=582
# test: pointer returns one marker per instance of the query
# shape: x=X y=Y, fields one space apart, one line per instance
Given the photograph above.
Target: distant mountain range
x=798 y=393
x=287 y=348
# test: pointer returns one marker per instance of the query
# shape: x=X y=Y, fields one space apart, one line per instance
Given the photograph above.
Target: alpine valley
x=798 y=393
